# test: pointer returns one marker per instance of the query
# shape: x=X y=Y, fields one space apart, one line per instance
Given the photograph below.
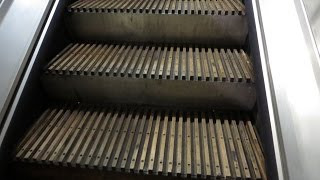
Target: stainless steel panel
x=20 y=24
x=290 y=71
x=312 y=9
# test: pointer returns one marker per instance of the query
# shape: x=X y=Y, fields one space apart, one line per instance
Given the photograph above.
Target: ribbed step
x=221 y=22
x=213 y=7
x=146 y=140
x=152 y=75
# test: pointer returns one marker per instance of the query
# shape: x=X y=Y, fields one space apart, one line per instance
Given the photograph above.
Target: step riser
x=99 y=89
x=164 y=28
x=156 y=75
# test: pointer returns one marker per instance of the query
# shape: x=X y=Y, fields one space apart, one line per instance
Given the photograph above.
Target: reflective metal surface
x=313 y=13
x=20 y=23
x=291 y=74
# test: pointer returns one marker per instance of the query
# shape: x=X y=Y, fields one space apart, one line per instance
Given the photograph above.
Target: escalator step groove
x=213 y=7
x=153 y=62
x=165 y=75
x=158 y=141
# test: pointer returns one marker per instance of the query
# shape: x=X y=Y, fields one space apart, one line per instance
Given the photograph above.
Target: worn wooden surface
x=146 y=140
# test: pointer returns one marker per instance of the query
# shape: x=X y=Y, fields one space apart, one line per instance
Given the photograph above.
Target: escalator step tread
x=201 y=7
x=146 y=140
x=153 y=62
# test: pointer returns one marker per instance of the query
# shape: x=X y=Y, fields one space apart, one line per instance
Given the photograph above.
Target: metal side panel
x=20 y=24
x=312 y=11
x=290 y=69
x=28 y=97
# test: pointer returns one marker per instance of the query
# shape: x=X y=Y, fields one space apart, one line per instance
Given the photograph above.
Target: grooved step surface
x=212 y=7
x=146 y=140
x=214 y=22
x=153 y=62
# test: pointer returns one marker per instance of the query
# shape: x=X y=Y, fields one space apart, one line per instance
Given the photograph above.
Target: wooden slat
x=139 y=66
x=196 y=161
x=204 y=66
x=89 y=59
x=112 y=141
x=107 y=61
x=233 y=158
x=97 y=141
x=155 y=62
x=234 y=65
x=222 y=150
x=205 y=158
x=148 y=63
x=88 y=140
x=114 y=60
x=75 y=59
x=46 y=138
x=222 y=73
x=34 y=132
x=242 y=66
x=226 y=61
x=137 y=144
x=141 y=160
x=123 y=157
x=98 y=60
x=239 y=147
x=170 y=146
x=175 y=65
x=192 y=71
x=179 y=6
x=115 y=70
x=252 y=163
x=256 y=149
x=212 y=66
x=60 y=57
x=128 y=61
x=66 y=152
x=177 y=169
x=66 y=60
x=65 y=137
x=114 y=158
x=185 y=7
x=215 y=160
x=158 y=168
x=197 y=64
x=101 y=153
x=160 y=68
x=183 y=64
x=150 y=159
x=168 y=64
x=85 y=56
x=187 y=148
x=81 y=139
